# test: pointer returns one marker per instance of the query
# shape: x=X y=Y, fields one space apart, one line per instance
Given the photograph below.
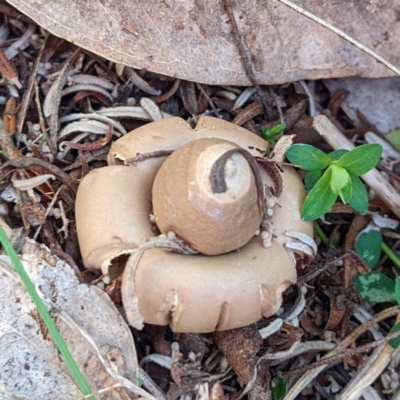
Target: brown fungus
x=208 y=200
x=192 y=293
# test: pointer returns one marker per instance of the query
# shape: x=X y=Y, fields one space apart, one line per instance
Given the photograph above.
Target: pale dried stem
x=310 y=375
x=55 y=100
x=370 y=371
x=373 y=178
x=26 y=97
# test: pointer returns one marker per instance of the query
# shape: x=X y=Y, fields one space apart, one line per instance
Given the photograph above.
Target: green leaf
x=368 y=247
x=375 y=287
x=278 y=388
x=396 y=341
x=335 y=155
x=308 y=157
x=397 y=290
x=265 y=133
x=346 y=193
x=393 y=138
x=277 y=129
x=361 y=159
x=312 y=178
x=340 y=178
x=359 y=198
x=319 y=200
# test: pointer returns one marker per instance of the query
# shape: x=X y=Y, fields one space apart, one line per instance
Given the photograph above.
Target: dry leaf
x=31 y=365
x=193 y=40
x=240 y=347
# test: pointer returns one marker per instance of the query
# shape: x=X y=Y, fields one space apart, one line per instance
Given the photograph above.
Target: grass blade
x=58 y=340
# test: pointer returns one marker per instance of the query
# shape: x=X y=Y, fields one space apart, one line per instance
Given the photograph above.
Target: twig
x=310 y=375
x=311 y=102
x=91 y=146
x=341 y=34
x=55 y=99
x=246 y=59
x=24 y=162
x=171 y=92
x=26 y=97
x=200 y=87
x=373 y=178
x=297 y=349
x=370 y=371
x=345 y=353
x=145 y=156
x=278 y=106
x=270 y=329
x=319 y=271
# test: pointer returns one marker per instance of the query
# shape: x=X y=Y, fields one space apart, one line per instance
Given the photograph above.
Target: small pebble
x=106 y=279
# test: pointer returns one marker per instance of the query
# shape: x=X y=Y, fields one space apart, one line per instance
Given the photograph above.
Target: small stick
x=200 y=87
x=370 y=371
x=54 y=123
x=278 y=107
x=94 y=145
x=373 y=178
x=246 y=59
x=24 y=162
x=345 y=353
x=347 y=341
x=171 y=92
x=26 y=97
x=145 y=156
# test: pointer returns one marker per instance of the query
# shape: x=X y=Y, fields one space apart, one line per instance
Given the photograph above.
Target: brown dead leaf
x=280 y=148
x=240 y=347
x=285 y=339
x=189 y=98
x=45 y=188
x=8 y=71
x=336 y=101
x=309 y=325
x=293 y=115
x=35 y=214
x=249 y=112
x=336 y=315
x=193 y=40
x=10 y=115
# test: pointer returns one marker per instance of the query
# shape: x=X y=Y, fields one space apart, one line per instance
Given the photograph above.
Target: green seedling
x=278 y=388
x=332 y=175
x=375 y=287
x=271 y=135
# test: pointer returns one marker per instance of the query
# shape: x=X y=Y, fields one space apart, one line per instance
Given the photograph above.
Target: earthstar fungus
x=208 y=198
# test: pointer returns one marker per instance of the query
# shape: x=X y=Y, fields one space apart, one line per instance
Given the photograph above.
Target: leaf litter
x=78 y=91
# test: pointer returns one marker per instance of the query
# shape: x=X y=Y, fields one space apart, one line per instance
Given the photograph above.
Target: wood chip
x=251 y=111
